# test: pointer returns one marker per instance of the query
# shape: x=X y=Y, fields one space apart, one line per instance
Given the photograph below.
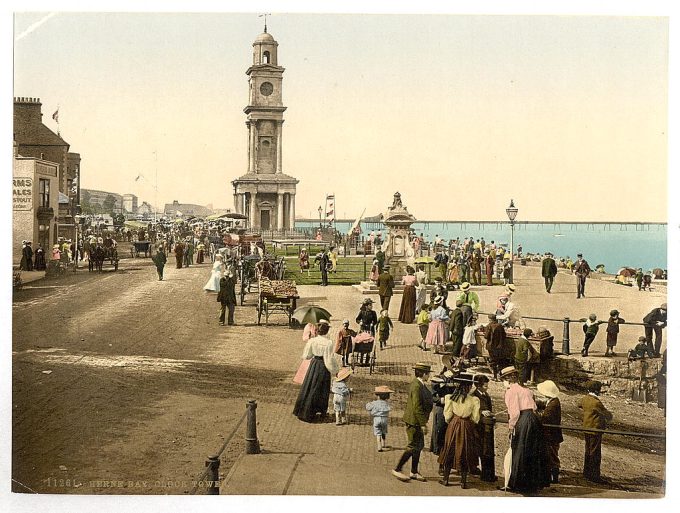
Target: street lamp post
x=512 y=214
x=320 y=211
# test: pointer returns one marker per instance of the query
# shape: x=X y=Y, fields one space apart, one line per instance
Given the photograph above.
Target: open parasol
x=311 y=313
x=627 y=272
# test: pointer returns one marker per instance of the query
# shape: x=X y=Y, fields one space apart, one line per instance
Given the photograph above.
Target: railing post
x=252 y=443
x=565 y=337
x=213 y=464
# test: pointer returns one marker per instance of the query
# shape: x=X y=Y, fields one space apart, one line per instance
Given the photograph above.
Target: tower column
x=251 y=149
x=279 y=148
x=291 y=213
x=279 y=213
x=242 y=202
x=253 y=211
x=250 y=138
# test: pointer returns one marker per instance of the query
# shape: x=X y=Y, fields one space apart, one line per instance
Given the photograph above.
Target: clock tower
x=264 y=194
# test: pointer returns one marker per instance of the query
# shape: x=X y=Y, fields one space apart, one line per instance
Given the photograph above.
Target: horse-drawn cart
x=139 y=247
x=276 y=296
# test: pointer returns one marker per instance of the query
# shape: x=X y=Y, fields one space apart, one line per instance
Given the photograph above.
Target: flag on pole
x=55 y=116
x=330 y=208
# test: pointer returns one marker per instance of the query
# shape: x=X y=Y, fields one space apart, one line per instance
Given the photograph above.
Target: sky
x=567 y=115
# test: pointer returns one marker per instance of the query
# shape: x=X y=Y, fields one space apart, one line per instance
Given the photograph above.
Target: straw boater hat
x=510 y=288
x=465 y=286
x=548 y=388
x=507 y=371
x=368 y=300
x=423 y=366
x=56 y=246
x=464 y=377
x=383 y=390
x=438 y=300
x=343 y=374
x=324 y=321
x=345 y=322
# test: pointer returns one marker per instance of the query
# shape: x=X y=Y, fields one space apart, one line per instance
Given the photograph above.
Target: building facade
x=35 y=196
x=34 y=139
x=130 y=203
x=265 y=194
x=186 y=209
x=101 y=201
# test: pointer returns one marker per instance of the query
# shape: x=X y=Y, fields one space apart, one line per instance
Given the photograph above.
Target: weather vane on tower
x=265 y=19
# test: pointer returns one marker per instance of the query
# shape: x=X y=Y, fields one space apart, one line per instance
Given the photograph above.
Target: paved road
x=124 y=384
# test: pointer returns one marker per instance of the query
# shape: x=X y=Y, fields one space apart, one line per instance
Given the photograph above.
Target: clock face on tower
x=266 y=88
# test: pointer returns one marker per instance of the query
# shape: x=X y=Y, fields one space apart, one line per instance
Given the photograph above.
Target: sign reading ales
x=22 y=193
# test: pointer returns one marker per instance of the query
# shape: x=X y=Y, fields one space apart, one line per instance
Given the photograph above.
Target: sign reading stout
x=22 y=193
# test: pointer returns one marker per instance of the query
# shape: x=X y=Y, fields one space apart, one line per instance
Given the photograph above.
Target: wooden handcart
x=276 y=297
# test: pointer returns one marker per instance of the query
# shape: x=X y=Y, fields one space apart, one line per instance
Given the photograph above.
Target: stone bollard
x=252 y=443
x=213 y=464
x=565 y=337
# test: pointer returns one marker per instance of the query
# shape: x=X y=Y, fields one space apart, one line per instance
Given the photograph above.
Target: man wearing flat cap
x=416 y=415
x=596 y=416
x=654 y=322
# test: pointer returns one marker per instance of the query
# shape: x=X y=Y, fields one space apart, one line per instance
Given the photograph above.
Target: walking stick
x=349 y=404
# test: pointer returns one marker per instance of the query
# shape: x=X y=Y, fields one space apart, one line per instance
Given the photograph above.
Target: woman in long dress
x=421 y=288
x=216 y=274
x=461 y=446
x=407 y=312
x=436 y=331
x=316 y=387
x=529 y=471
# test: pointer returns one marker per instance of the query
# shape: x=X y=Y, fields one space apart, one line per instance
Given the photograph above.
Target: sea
x=613 y=245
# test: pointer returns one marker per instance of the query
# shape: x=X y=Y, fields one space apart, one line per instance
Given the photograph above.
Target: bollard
x=365 y=275
x=252 y=443
x=213 y=464
x=565 y=337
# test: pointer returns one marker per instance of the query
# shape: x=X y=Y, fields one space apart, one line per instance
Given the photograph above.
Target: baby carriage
x=363 y=353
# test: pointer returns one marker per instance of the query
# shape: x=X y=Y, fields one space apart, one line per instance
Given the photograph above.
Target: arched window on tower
x=265 y=57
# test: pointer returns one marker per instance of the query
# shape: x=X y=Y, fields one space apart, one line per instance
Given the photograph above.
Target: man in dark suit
x=227 y=298
x=385 y=287
x=595 y=415
x=582 y=271
x=655 y=321
x=323 y=260
x=416 y=415
x=549 y=271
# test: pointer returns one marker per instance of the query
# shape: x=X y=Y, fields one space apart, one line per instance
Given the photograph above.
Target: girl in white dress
x=213 y=284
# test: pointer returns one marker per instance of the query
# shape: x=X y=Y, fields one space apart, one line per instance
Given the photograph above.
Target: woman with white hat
x=437 y=334
x=213 y=284
x=551 y=413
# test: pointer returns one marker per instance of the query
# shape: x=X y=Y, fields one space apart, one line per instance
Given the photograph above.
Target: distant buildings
x=186 y=209
x=130 y=203
x=99 y=202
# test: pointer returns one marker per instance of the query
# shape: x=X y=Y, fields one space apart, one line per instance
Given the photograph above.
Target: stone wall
x=619 y=376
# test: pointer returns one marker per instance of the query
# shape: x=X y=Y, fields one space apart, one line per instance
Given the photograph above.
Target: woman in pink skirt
x=437 y=334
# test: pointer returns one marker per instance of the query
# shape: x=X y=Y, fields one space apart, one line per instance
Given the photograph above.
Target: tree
x=109 y=204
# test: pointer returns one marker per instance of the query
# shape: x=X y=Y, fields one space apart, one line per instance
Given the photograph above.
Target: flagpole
x=155 y=208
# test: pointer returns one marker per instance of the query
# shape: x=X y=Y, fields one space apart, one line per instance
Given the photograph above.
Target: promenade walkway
x=325 y=459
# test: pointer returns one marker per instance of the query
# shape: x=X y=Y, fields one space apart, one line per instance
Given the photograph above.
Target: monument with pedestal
x=398 y=250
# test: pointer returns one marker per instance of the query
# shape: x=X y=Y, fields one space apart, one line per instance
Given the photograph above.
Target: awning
x=63 y=199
